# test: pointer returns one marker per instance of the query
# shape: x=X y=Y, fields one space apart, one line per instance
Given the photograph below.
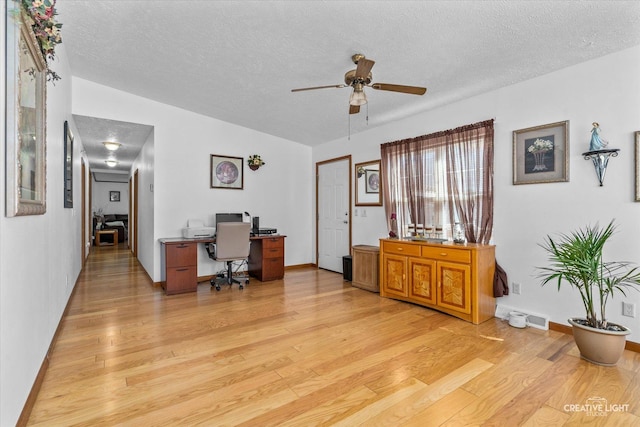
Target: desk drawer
x=447 y=254
x=272 y=269
x=181 y=254
x=273 y=242
x=181 y=279
x=273 y=252
x=400 y=248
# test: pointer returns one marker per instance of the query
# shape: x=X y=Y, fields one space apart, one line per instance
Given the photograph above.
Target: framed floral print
x=637 y=166
x=541 y=154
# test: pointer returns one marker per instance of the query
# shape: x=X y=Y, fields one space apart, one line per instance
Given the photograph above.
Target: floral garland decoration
x=45 y=28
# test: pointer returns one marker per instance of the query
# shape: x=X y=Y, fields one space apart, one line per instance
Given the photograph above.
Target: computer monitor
x=228 y=217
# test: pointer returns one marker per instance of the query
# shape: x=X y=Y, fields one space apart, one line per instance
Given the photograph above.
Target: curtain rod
x=477 y=125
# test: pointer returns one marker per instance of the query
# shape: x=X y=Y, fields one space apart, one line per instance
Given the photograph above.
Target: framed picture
x=227 y=172
x=68 y=166
x=368 y=181
x=372 y=181
x=637 y=168
x=26 y=85
x=114 y=196
x=541 y=154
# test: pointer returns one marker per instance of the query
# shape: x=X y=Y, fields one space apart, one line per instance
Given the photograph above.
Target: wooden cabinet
x=455 y=279
x=365 y=267
x=266 y=258
x=181 y=267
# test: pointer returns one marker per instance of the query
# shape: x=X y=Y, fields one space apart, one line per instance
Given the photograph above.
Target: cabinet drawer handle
x=443 y=254
x=400 y=249
x=182 y=245
x=182 y=269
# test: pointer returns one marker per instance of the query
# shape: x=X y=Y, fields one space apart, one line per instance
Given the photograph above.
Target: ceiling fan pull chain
x=349 y=136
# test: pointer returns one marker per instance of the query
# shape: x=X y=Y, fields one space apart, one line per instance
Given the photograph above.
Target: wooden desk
x=180 y=259
x=100 y=233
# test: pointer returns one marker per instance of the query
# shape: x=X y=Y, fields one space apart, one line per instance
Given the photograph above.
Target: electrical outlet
x=516 y=288
x=628 y=309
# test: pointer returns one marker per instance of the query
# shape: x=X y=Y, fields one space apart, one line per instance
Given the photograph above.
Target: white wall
x=280 y=193
x=144 y=166
x=40 y=256
x=603 y=90
x=100 y=195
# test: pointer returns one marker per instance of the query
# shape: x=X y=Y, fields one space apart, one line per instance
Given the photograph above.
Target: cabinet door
x=394 y=275
x=454 y=286
x=422 y=280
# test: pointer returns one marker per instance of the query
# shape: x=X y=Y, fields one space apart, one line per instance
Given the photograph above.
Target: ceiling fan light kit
x=358 y=96
x=361 y=77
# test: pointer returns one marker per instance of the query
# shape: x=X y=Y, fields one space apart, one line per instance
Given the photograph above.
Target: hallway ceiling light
x=111 y=146
x=111 y=163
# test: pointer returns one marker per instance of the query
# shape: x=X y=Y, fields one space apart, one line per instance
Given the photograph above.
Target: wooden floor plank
x=306 y=350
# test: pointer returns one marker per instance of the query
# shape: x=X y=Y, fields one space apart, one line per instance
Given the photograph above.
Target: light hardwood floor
x=307 y=350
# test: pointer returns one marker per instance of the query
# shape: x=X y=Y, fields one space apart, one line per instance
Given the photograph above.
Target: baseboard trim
x=566 y=329
x=299 y=266
x=37 y=383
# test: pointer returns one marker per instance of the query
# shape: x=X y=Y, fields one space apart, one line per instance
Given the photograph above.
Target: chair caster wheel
x=218 y=288
x=246 y=281
x=241 y=287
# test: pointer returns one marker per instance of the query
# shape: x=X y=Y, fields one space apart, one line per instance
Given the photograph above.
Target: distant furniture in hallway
x=110 y=242
x=119 y=222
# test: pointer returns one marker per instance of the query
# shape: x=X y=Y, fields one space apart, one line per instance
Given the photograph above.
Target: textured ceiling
x=94 y=131
x=237 y=61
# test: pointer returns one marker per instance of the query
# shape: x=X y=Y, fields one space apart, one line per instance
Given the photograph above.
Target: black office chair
x=232 y=244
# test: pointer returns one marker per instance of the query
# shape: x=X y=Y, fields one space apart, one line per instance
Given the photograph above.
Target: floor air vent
x=534 y=320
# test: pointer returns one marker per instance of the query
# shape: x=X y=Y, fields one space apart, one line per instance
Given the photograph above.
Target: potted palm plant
x=576 y=259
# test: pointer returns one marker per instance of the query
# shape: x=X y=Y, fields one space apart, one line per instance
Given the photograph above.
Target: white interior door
x=334 y=215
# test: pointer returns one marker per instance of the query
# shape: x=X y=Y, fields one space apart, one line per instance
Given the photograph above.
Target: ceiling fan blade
x=354 y=109
x=413 y=90
x=364 y=67
x=318 y=87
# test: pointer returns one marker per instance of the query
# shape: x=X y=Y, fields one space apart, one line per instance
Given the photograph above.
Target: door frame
x=84 y=212
x=136 y=201
x=318 y=164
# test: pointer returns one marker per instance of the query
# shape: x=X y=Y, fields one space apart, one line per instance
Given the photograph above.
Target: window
x=440 y=179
